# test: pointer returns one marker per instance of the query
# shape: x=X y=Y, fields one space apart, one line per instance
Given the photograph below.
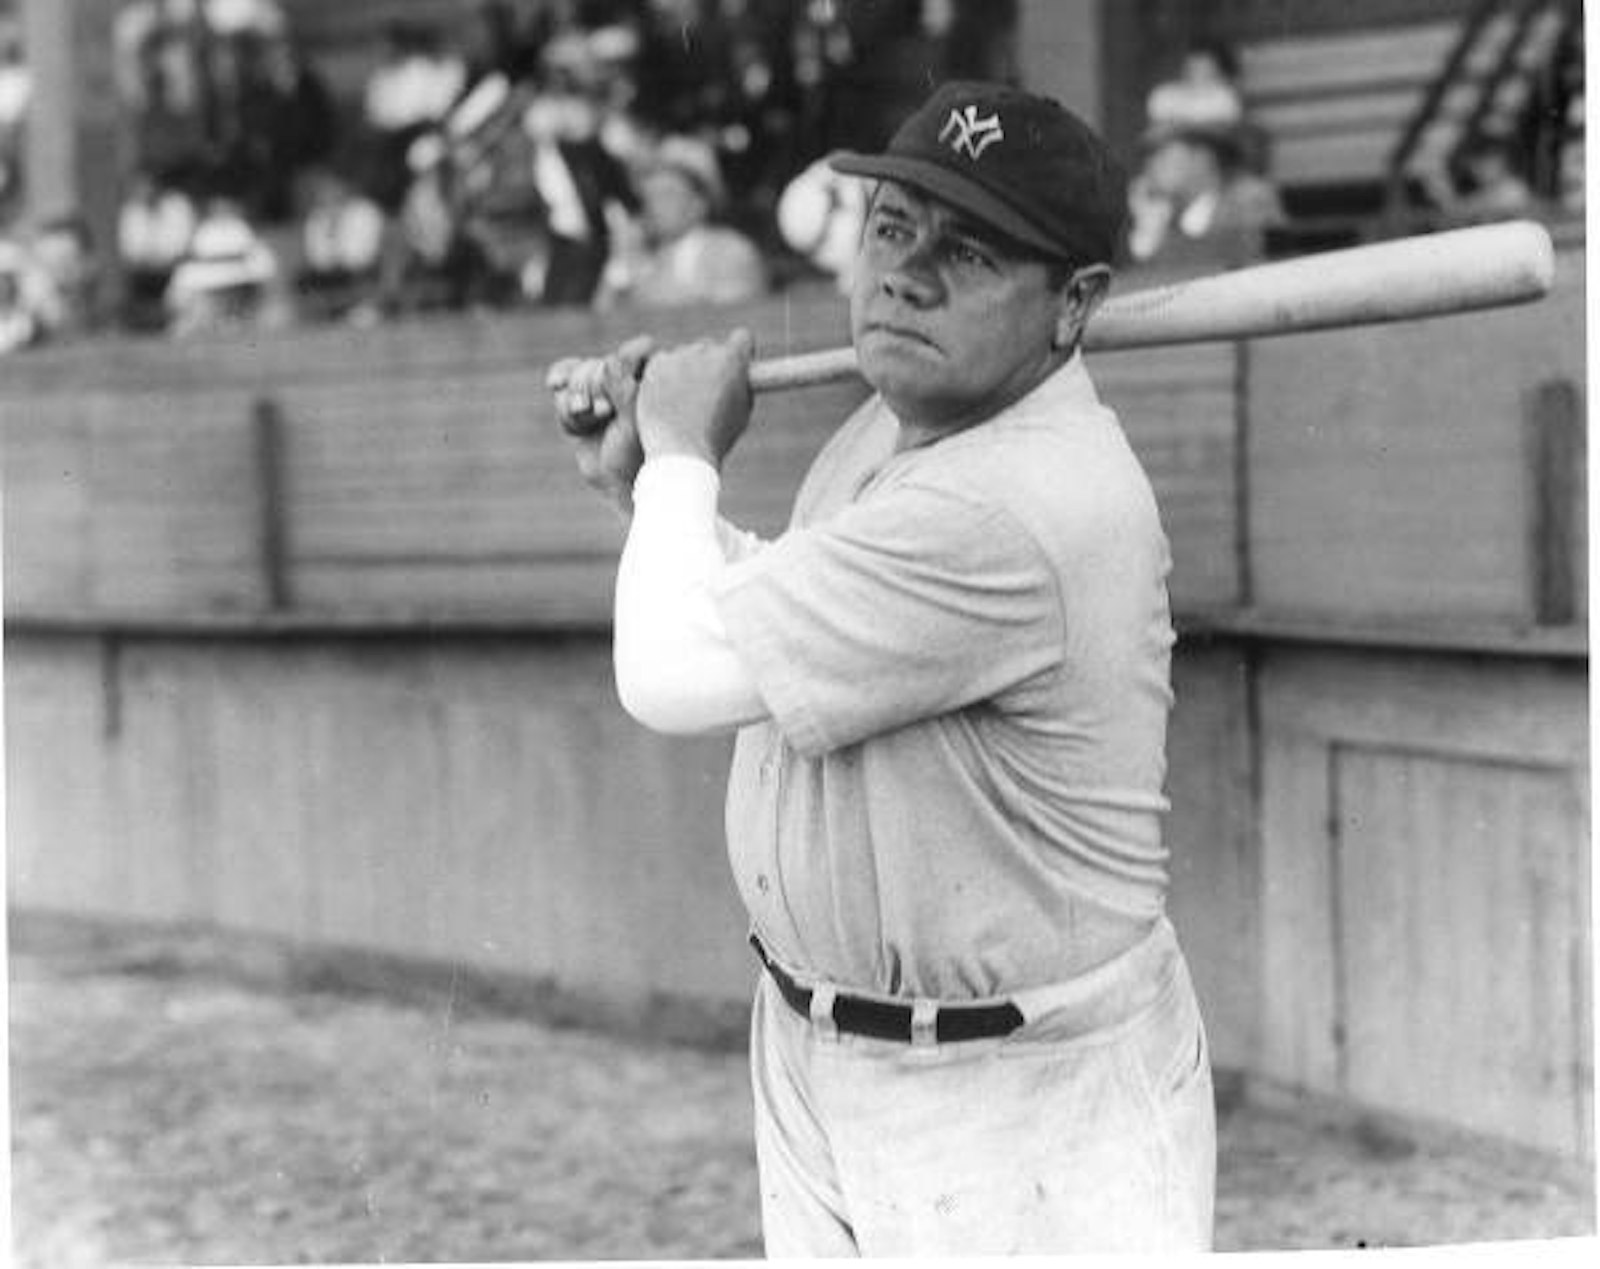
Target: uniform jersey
x=965 y=648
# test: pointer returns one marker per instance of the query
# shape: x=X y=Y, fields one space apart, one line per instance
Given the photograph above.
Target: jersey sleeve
x=916 y=602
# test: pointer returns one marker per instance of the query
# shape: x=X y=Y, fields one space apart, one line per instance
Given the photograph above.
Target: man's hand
x=696 y=400
x=594 y=399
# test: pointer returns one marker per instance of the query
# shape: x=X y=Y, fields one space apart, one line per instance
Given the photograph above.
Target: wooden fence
x=308 y=639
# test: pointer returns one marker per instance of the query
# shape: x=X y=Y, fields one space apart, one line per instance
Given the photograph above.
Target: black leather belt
x=883 y=1020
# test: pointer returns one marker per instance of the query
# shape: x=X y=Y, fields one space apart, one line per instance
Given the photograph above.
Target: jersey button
x=762 y=884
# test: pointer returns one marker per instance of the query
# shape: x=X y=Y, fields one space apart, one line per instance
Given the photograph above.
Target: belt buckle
x=822 y=998
x=924 y=1023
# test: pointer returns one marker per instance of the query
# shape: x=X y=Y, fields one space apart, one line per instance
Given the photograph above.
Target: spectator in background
x=681 y=257
x=341 y=247
x=1207 y=94
x=170 y=139
x=229 y=279
x=1492 y=187
x=425 y=264
x=64 y=252
x=239 y=17
x=410 y=92
x=471 y=224
x=582 y=186
x=497 y=42
x=1195 y=203
x=495 y=199
x=1204 y=94
x=18 y=327
x=155 y=225
x=286 y=112
x=16 y=90
x=25 y=299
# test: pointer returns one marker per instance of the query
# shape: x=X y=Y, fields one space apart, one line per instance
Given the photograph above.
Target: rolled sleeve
x=920 y=601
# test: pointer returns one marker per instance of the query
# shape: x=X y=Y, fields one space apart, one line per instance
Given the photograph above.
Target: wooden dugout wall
x=306 y=639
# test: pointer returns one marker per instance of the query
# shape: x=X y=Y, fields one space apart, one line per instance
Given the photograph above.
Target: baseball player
x=974 y=1031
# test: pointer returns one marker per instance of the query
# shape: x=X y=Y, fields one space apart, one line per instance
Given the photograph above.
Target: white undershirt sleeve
x=677 y=671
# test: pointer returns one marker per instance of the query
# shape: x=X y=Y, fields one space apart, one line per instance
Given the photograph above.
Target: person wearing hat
x=229 y=278
x=974 y=1030
x=1195 y=203
x=682 y=256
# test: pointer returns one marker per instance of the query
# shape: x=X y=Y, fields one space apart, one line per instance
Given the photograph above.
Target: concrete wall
x=479 y=802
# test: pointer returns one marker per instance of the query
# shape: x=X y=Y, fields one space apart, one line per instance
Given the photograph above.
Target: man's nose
x=913 y=278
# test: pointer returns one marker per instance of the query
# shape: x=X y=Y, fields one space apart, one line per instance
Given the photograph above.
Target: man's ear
x=1081 y=295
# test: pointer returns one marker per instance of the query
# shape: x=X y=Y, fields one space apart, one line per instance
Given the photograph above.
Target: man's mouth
x=895 y=331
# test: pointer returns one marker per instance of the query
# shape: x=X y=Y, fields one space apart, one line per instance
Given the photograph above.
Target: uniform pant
x=1090 y=1128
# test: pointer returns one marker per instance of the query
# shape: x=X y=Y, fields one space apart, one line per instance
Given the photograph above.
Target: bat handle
x=803 y=370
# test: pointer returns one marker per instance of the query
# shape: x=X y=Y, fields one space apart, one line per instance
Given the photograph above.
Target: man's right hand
x=594 y=400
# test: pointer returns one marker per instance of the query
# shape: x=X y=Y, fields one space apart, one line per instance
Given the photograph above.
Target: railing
x=1509 y=62
x=1406 y=147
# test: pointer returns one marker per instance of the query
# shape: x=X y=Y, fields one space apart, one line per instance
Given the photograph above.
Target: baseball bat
x=1430 y=275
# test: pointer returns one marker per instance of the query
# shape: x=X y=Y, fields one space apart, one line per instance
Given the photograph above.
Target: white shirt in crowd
x=414 y=90
x=344 y=237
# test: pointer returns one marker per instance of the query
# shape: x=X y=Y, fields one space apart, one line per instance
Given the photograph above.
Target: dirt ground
x=164 y=1111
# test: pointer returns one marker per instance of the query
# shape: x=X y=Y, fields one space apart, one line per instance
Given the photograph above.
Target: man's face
x=672 y=206
x=950 y=323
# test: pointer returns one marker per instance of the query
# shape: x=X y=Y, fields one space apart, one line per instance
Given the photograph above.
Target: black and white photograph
x=721 y=630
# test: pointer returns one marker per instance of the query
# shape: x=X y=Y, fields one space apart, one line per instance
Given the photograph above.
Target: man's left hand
x=695 y=400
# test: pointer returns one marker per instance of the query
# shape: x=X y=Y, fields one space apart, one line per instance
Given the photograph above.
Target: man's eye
x=967 y=255
x=888 y=230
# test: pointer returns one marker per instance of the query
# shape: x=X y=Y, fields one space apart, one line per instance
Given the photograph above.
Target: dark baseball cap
x=1020 y=163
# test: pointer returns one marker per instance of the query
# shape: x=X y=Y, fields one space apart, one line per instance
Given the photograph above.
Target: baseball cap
x=1020 y=163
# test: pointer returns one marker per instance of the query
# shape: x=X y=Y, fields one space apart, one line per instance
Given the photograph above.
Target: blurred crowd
x=598 y=153
x=593 y=152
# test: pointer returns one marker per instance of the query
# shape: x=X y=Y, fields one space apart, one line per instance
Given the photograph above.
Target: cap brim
x=953 y=188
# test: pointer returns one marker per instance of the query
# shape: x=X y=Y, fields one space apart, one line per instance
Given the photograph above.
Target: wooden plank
x=1532 y=712
x=368 y=822
x=1388 y=468
x=1408 y=805
x=1345 y=157
x=1557 y=445
x=265 y=854
x=388 y=471
x=1347 y=61
x=1179 y=408
x=1299 y=977
x=162 y=782
x=45 y=499
x=499 y=903
x=1382 y=111
x=1215 y=862
x=1246 y=20
x=174 y=498
x=557 y=590
x=267 y=425
x=62 y=851
x=1440 y=1020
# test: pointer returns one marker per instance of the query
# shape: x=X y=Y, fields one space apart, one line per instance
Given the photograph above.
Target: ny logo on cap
x=970 y=135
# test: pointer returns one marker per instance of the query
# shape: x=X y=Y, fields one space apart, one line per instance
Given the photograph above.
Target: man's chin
x=898 y=361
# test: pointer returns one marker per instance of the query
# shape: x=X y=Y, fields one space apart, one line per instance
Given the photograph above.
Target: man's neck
x=918 y=429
